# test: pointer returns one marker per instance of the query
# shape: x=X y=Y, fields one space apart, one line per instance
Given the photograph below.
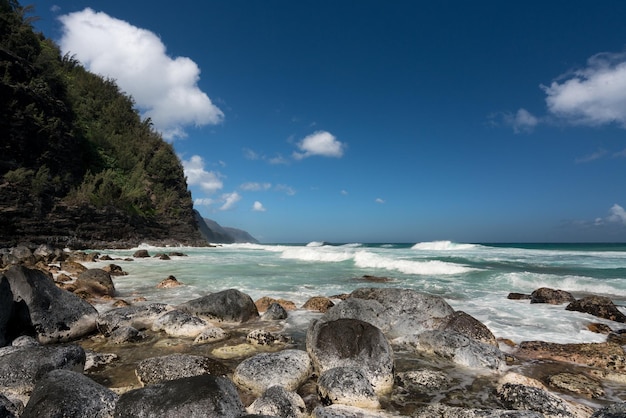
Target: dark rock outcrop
x=469 y=326
x=39 y=306
x=599 y=306
x=228 y=305
x=136 y=316
x=551 y=296
x=176 y=366
x=192 y=397
x=96 y=283
x=65 y=393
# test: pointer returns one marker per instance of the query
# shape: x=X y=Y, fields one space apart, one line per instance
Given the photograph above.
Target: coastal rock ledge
x=378 y=352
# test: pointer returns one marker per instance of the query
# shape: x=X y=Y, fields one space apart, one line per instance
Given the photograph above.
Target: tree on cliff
x=74 y=152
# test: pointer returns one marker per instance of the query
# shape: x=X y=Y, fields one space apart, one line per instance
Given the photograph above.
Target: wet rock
x=168 y=283
x=617 y=337
x=136 y=316
x=345 y=411
x=607 y=356
x=528 y=398
x=445 y=411
x=228 y=305
x=459 y=349
x=287 y=368
x=127 y=335
x=275 y=312
x=373 y=279
x=191 y=397
x=277 y=401
x=599 y=306
x=265 y=302
x=64 y=393
x=94 y=360
x=176 y=366
x=397 y=312
x=263 y=337
x=318 y=303
x=72 y=267
x=180 y=324
x=234 y=351
x=551 y=296
x=471 y=327
x=22 y=255
x=577 y=383
x=211 y=334
x=114 y=270
x=616 y=410
x=423 y=380
x=352 y=343
x=347 y=386
x=21 y=368
x=518 y=296
x=141 y=254
x=51 y=313
x=9 y=408
x=599 y=328
x=162 y=256
x=95 y=282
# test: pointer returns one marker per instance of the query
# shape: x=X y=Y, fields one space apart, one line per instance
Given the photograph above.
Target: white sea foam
x=320 y=254
x=366 y=259
x=442 y=246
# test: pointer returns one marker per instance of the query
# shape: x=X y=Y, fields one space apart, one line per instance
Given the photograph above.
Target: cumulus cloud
x=617 y=214
x=379 y=200
x=594 y=95
x=522 y=121
x=320 y=143
x=164 y=88
x=229 y=200
x=209 y=181
x=258 y=207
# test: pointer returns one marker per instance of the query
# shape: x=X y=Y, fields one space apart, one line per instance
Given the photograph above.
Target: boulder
x=54 y=314
x=141 y=254
x=136 y=316
x=114 y=269
x=22 y=367
x=352 y=343
x=180 y=324
x=287 y=368
x=279 y=402
x=204 y=396
x=397 y=312
x=175 y=366
x=95 y=282
x=445 y=411
x=521 y=397
x=64 y=393
x=471 y=327
x=456 y=347
x=577 y=383
x=318 y=303
x=168 y=283
x=6 y=307
x=228 y=306
x=265 y=302
x=22 y=255
x=518 y=296
x=606 y=356
x=264 y=337
x=9 y=408
x=94 y=359
x=551 y=296
x=599 y=306
x=423 y=381
x=616 y=410
x=274 y=312
x=127 y=335
x=72 y=267
x=346 y=411
x=346 y=386
x=211 y=334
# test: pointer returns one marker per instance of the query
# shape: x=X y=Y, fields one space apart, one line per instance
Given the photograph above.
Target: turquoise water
x=475 y=278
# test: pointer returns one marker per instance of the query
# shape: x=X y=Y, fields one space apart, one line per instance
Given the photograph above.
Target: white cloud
x=229 y=200
x=203 y=202
x=594 y=95
x=164 y=88
x=379 y=200
x=209 y=181
x=591 y=157
x=320 y=143
x=258 y=207
x=344 y=192
x=290 y=191
x=522 y=121
x=255 y=187
x=617 y=214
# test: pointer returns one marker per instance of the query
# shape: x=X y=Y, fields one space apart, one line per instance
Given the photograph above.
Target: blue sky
x=377 y=121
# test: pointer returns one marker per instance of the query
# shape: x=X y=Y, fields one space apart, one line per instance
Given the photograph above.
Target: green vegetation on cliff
x=77 y=164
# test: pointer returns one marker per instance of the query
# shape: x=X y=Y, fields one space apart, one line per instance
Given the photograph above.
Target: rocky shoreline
x=376 y=352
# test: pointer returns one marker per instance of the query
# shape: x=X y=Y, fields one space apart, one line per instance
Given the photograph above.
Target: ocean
x=475 y=278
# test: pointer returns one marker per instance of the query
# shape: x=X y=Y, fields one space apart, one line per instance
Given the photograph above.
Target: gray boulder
x=275 y=312
x=397 y=312
x=95 y=282
x=202 y=396
x=287 y=368
x=56 y=315
x=346 y=411
x=127 y=335
x=599 y=306
x=229 y=305
x=180 y=324
x=551 y=296
x=471 y=327
x=456 y=347
x=64 y=393
x=445 y=411
x=176 y=366
x=352 y=343
x=347 y=386
x=136 y=316
x=22 y=367
x=6 y=307
x=211 y=334
x=521 y=397
x=10 y=409
x=616 y=410
x=279 y=402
